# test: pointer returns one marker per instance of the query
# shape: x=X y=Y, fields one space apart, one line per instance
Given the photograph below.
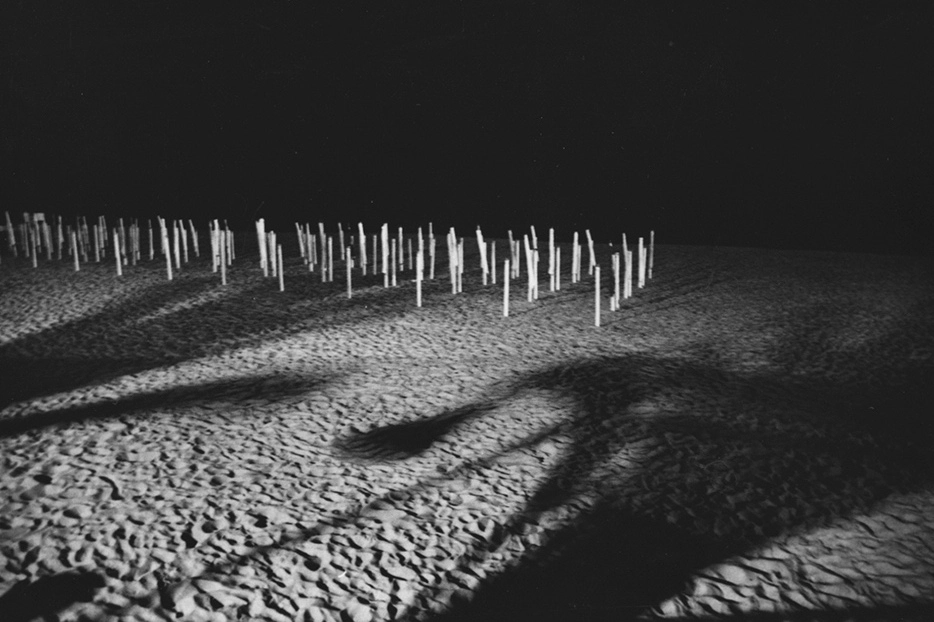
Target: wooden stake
x=222 y=247
x=117 y=253
x=641 y=264
x=596 y=273
x=347 y=260
x=493 y=260
x=593 y=257
x=362 y=242
x=419 y=276
x=506 y=279
x=279 y=269
x=74 y=249
x=330 y=259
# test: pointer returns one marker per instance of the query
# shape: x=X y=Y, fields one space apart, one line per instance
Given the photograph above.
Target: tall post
x=74 y=249
x=493 y=260
x=117 y=254
x=506 y=279
x=419 y=276
x=347 y=260
x=593 y=257
x=551 y=259
x=222 y=247
x=596 y=275
x=279 y=269
x=641 y=264
x=362 y=242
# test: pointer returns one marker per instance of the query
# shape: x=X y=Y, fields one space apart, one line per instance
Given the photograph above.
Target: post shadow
x=46 y=596
x=735 y=459
x=270 y=386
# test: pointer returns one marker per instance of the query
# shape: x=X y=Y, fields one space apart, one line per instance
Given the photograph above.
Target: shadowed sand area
x=748 y=437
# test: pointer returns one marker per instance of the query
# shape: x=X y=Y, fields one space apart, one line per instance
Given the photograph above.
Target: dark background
x=798 y=125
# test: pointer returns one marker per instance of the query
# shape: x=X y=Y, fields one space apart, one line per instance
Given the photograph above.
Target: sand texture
x=748 y=437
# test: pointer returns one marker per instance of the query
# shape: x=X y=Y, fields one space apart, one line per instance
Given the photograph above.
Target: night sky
x=800 y=125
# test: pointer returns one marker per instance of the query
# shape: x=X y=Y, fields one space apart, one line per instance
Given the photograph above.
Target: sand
x=748 y=437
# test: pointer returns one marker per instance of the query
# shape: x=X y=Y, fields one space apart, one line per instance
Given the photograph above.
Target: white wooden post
x=340 y=233
x=176 y=246
x=641 y=264
x=74 y=250
x=392 y=263
x=221 y=257
x=506 y=279
x=362 y=242
x=347 y=260
x=593 y=257
x=551 y=259
x=596 y=273
x=460 y=266
x=419 y=276
x=384 y=239
x=165 y=248
x=493 y=260
x=117 y=254
x=97 y=247
x=280 y=269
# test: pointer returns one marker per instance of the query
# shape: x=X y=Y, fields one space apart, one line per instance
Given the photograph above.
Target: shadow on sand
x=680 y=465
x=46 y=596
x=268 y=387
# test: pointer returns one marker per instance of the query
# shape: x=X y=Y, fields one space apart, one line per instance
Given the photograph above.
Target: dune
x=748 y=437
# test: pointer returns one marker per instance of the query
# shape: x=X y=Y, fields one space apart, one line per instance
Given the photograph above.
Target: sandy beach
x=748 y=437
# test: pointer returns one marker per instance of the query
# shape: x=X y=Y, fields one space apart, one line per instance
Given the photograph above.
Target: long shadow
x=171 y=322
x=741 y=459
x=268 y=386
x=684 y=462
x=46 y=596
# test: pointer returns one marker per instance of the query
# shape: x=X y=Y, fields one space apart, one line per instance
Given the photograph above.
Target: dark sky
x=798 y=125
